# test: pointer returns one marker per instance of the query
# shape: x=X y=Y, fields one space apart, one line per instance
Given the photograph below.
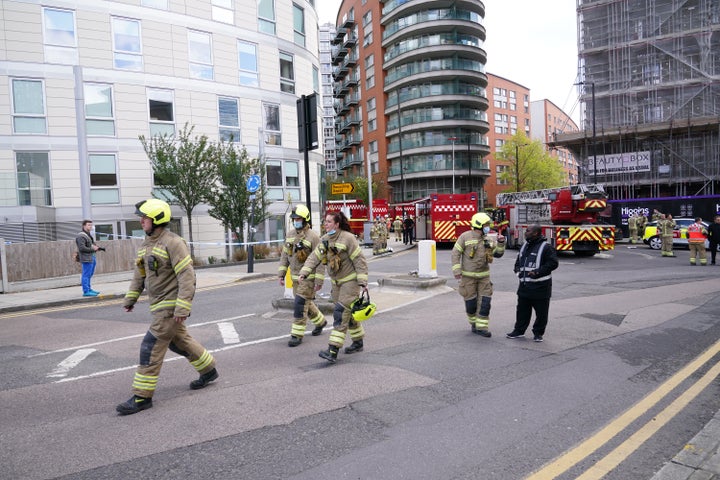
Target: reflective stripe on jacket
x=696 y=233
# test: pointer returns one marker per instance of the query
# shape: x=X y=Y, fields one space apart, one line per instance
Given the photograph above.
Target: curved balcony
x=426 y=166
x=470 y=95
x=423 y=46
x=439 y=117
x=394 y=9
x=427 y=20
x=436 y=70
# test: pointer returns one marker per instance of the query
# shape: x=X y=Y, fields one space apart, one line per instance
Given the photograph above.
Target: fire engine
x=440 y=216
x=357 y=212
x=568 y=217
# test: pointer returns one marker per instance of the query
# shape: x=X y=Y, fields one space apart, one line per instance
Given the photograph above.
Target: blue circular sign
x=253 y=183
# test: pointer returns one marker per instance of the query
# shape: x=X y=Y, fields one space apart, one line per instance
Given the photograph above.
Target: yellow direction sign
x=341 y=188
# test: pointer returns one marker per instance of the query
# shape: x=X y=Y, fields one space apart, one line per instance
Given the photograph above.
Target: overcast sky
x=531 y=42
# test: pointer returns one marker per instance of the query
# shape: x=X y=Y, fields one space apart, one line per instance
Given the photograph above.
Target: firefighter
x=375 y=236
x=471 y=257
x=666 y=226
x=295 y=251
x=633 y=227
x=641 y=222
x=398 y=226
x=348 y=272
x=165 y=268
x=697 y=233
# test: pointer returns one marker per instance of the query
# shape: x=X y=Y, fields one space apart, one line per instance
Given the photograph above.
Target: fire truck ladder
x=578 y=192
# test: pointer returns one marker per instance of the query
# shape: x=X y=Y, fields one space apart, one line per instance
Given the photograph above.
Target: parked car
x=680 y=237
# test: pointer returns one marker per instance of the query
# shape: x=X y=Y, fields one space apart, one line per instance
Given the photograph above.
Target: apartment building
x=327 y=35
x=411 y=97
x=547 y=120
x=81 y=80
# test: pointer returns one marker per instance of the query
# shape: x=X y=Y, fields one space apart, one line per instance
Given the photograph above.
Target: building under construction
x=650 y=86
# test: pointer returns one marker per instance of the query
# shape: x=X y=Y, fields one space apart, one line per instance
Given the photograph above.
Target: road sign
x=253 y=183
x=341 y=188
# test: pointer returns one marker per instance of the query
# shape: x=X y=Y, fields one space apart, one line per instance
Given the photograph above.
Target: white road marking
x=228 y=332
x=70 y=362
x=120 y=339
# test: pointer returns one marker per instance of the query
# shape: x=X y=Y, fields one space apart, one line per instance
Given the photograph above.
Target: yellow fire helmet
x=301 y=211
x=479 y=219
x=155 y=209
x=363 y=308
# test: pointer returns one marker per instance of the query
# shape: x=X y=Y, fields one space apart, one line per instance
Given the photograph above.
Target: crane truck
x=568 y=217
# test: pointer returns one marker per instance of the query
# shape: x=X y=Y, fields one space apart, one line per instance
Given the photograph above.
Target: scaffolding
x=650 y=73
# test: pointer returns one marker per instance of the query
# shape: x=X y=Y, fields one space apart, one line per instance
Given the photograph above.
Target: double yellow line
x=601 y=468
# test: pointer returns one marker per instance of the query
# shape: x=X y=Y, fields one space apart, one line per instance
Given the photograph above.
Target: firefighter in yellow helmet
x=472 y=255
x=297 y=247
x=397 y=227
x=348 y=272
x=163 y=266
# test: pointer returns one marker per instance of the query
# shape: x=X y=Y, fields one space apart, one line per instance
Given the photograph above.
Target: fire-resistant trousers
x=166 y=333
x=343 y=323
x=304 y=291
x=697 y=251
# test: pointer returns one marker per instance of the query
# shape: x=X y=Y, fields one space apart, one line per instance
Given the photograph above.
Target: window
x=367 y=18
x=222 y=11
x=247 y=60
x=99 y=118
x=368 y=39
x=370 y=78
x=316 y=79
x=59 y=27
x=33 y=178
x=277 y=189
x=371 y=104
x=499 y=171
x=127 y=45
x=373 y=146
x=287 y=75
x=372 y=125
x=299 y=25
x=200 y=55
x=103 y=179
x=162 y=115
x=161 y=4
x=369 y=61
x=28 y=106
x=59 y=36
x=266 y=16
x=271 y=119
x=229 y=119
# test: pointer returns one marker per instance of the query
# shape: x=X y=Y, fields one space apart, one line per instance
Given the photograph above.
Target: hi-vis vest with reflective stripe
x=696 y=233
x=530 y=266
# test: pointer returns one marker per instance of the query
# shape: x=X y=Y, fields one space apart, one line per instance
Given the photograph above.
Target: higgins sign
x=620 y=163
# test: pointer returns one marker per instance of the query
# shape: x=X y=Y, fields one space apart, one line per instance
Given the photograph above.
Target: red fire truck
x=440 y=216
x=357 y=212
x=568 y=217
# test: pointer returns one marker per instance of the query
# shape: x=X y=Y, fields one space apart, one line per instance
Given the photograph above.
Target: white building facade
x=81 y=80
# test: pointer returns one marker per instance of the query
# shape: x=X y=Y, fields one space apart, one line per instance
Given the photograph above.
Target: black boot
x=330 y=354
x=357 y=346
x=204 y=380
x=294 y=341
x=134 y=405
x=319 y=329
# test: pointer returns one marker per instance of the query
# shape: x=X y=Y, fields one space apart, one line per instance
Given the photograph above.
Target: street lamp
x=402 y=173
x=453 y=139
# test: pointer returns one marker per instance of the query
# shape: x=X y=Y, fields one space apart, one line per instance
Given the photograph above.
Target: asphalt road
x=605 y=396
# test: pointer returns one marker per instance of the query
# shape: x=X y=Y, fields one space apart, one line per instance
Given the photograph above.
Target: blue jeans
x=88 y=269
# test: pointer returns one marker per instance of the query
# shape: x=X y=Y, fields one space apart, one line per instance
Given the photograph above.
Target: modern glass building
x=411 y=95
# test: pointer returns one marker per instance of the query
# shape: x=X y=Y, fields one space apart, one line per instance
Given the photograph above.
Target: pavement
x=698 y=460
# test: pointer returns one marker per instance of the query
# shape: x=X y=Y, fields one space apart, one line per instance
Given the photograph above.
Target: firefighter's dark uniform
x=295 y=251
x=165 y=268
x=347 y=269
x=471 y=257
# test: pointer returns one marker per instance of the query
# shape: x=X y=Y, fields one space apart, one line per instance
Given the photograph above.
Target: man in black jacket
x=533 y=266
x=714 y=238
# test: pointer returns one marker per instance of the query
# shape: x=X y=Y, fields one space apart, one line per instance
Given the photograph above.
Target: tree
x=229 y=199
x=185 y=169
x=529 y=165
